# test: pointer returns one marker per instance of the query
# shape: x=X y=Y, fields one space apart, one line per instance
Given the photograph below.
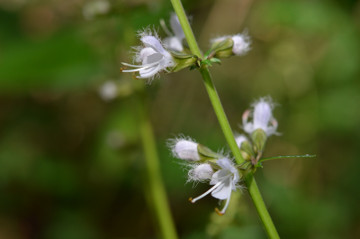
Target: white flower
x=262 y=117
x=108 y=90
x=153 y=57
x=175 y=38
x=241 y=43
x=240 y=139
x=201 y=172
x=185 y=149
x=224 y=180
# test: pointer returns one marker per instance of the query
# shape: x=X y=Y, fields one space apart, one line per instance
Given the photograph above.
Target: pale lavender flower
x=262 y=117
x=224 y=180
x=152 y=56
x=176 y=36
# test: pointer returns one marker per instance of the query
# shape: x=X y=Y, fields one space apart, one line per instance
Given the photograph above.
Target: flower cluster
x=219 y=170
x=208 y=166
x=171 y=54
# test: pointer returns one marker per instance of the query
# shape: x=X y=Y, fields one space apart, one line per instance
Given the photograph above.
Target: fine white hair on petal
x=184 y=148
x=201 y=172
x=241 y=44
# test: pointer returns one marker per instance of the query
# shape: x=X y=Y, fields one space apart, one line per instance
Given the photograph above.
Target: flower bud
x=201 y=172
x=185 y=149
x=259 y=138
x=227 y=46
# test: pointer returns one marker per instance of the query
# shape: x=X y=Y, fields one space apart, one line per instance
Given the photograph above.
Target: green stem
x=224 y=123
x=156 y=185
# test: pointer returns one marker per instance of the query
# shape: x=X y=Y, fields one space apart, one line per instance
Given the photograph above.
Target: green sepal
x=215 y=60
x=222 y=49
x=183 y=61
x=206 y=153
x=259 y=139
x=247 y=150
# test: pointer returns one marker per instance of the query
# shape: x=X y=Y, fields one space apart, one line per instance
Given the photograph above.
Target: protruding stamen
x=226 y=203
x=206 y=193
x=218 y=212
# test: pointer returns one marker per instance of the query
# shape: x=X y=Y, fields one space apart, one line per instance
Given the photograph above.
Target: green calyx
x=183 y=60
x=221 y=49
x=259 y=139
x=207 y=154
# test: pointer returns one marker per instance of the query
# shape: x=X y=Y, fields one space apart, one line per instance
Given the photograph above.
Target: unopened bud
x=227 y=46
x=259 y=138
x=201 y=172
x=185 y=149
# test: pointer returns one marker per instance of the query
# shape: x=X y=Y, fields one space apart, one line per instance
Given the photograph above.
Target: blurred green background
x=71 y=163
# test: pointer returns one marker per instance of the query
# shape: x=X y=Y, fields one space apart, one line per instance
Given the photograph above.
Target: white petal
x=149 y=72
x=223 y=191
x=173 y=43
x=241 y=44
x=176 y=27
x=145 y=52
x=262 y=115
x=151 y=41
x=201 y=172
x=225 y=163
x=186 y=149
x=154 y=58
x=240 y=139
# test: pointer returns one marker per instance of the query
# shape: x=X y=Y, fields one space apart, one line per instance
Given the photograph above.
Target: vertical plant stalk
x=157 y=189
x=224 y=123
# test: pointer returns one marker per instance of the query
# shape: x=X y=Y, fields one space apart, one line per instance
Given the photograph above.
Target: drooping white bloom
x=152 y=56
x=262 y=117
x=108 y=90
x=201 y=172
x=175 y=38
x=241 y=43
x=94 y=8
x=185 y=149
x=224 y=180
x=240 y=139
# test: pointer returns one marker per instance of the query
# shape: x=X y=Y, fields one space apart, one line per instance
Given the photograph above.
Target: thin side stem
x=156 y=186
x=224 y=123
x=288 y=156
